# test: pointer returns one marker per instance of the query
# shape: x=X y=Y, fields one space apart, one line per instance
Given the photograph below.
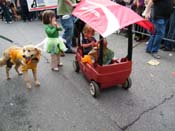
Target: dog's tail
x=2 y=61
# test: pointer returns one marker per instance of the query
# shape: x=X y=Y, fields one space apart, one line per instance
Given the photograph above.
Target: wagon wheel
x=76 y=66
x=127 y=84
x=94 y=89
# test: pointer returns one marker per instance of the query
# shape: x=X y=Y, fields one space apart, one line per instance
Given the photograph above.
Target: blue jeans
x=171 y=31
x=7 y=14
x=68 y=26
x=155 y=39
x=26 y=15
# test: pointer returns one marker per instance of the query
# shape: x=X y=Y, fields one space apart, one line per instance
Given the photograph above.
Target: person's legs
x=137 y=36
x=155 y=40
x=58 y=59
x=7 y=15
x=23 y=13
x=27 y=13
x=150 y=43
x=68 y=26
x=160 y=26
x=54 y=62
x=59 y=62
x=171 y=32
x=151 y=39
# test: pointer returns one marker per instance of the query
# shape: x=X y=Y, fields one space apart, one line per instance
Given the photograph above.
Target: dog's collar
x=31 y=60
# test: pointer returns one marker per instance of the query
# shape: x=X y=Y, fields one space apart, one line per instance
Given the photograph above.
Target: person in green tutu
x=54 y=45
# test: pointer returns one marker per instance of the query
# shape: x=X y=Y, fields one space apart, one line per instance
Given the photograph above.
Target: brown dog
x=27 y=57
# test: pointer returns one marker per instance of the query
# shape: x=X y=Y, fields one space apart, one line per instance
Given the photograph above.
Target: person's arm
x=59 y=29
x=55 y=24
x=138 y=3
x=70 y=3
x=50 y=30
x=134 y=2
x=148 y=9
x=90 y=44
x=141 y=3
x=17 y=2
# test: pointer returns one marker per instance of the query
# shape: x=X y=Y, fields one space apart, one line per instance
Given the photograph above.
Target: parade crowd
x=160 y=12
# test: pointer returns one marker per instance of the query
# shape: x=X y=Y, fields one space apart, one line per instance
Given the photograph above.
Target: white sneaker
x=55 y=69
x=61 y=64
x=155 y=55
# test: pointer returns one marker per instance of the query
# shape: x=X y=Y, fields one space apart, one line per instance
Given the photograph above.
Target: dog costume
x=26 y=58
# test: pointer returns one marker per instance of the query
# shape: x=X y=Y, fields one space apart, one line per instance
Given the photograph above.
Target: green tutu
x=55 y=46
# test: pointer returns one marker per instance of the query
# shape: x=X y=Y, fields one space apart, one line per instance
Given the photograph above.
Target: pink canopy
x=106 y=16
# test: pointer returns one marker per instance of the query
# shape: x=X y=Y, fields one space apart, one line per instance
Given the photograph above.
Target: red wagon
x=106 y=17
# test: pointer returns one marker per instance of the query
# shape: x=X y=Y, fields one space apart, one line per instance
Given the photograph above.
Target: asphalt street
x=63 y=101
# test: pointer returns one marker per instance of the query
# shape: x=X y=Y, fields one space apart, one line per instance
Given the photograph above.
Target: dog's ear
x=38 y=50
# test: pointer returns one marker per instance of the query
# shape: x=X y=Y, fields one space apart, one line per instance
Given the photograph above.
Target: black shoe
x=162 y=46
x=70 y=51
x=137 y=39
x=167 y=49
x=149 y=52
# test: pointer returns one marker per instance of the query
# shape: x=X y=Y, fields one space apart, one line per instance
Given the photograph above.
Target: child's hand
x=74 y=5
x=54 y=23
x=96 y=44
x=57 y=25
x=92 y=43
x=147 y=16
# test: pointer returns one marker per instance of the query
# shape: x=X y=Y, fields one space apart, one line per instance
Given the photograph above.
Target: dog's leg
x=16 y=68
x=8 y=67
x=26 y=79
x=7 y=73
x=37 y=83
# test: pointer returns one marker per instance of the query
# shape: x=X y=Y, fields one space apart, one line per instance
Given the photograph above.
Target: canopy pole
x=100 y=53
x=130 y=43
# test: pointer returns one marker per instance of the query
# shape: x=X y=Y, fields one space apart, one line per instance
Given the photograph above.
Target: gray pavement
x=63 y=102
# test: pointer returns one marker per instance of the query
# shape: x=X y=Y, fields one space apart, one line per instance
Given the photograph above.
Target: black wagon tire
x=76 y=66
x=127 y=84
x=94 y=89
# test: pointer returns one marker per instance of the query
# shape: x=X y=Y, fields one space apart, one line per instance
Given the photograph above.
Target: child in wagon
x=88 y=41
x=93 y=55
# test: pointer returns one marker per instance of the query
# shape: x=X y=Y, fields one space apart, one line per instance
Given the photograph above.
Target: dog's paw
x=28 y=85
x=37 y=83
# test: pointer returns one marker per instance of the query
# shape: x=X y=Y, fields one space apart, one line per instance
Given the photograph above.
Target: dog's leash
x=5 y=38
x=40 y=44
x=11 y=41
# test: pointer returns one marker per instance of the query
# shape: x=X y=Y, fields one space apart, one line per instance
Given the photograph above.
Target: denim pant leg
x=155 y=40
x=150 y=43
x=171 y=32
x=7 y=14
x=25 y=13
x=68 y=30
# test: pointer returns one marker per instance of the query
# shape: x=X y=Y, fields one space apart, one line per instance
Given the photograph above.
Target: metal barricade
x=170 y=31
